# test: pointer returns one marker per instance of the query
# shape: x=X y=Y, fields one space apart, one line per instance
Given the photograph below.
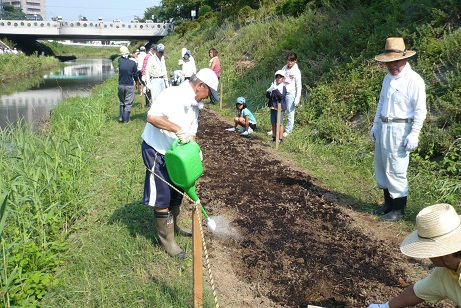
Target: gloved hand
x=411 y=142
x=231 y=129
x=296 y=102
x=373 y=132
x=385 y=305
x=183 y=135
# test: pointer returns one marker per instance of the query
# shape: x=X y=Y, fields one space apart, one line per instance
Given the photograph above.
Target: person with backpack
x=276 y=94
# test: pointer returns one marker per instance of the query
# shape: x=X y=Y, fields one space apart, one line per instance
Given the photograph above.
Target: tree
x=10 y=12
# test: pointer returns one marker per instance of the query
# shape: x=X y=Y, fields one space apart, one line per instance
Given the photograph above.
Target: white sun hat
x=438 y=233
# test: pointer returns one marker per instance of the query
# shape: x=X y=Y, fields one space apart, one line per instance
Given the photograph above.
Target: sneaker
x=245 y=134
x=232 y=129
x=241 y=130
x=285 y=134
x=250 y=130
x=269 y=132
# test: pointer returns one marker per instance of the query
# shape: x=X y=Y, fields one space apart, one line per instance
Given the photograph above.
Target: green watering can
x=184 y=167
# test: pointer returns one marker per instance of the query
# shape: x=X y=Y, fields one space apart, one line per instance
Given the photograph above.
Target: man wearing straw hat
x=437 y=237
x=397 y=123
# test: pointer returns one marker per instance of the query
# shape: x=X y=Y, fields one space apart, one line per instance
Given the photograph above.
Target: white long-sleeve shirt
x=292 y=81
x=403 y=97
x=156 y=68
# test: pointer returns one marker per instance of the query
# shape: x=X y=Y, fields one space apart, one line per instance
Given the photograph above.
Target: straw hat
x=438 y=233
x=394 y=50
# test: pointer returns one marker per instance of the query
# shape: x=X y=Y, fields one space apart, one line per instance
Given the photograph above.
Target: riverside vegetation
x=56 y=180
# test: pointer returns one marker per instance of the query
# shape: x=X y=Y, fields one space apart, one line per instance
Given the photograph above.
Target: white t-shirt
x=178 y=104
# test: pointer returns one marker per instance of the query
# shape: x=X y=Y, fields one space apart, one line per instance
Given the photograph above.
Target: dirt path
x=291 y=243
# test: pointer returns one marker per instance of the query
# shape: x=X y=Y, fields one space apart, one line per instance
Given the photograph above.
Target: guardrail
x=85 y=28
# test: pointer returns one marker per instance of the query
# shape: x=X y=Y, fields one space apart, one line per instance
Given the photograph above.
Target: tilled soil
x=291 y=243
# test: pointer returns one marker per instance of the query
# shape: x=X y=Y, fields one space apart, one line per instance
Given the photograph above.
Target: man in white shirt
x=156 y=74
x=398 y=121
x=173 y=116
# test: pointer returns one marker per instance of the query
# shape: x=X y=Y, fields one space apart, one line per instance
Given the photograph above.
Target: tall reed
x=45 y=178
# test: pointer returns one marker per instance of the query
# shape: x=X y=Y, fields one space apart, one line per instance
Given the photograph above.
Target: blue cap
x=241 y=100
x=160 y=48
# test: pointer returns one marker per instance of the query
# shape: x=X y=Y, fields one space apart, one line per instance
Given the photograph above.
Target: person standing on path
x=126 y=78
x=438 y=238
x=156 y=74
x=141 y=56
x=292 y=82
x=144 y=76
x=173 y=116
x=276 y=94
x=398 y=121
x=215 y=63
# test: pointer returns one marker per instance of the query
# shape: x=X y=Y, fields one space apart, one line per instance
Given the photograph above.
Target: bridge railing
x=75 y=27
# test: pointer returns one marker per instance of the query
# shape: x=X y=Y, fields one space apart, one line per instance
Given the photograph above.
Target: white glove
x=201 y=155
x=411 y=142
x=232 y=129
x=373 y=132
x=143 y=78
x=245 y=133
x=385 y=305
x=296 y=102
x=183 y=135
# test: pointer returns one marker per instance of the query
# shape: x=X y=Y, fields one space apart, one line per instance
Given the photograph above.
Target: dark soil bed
x=293 y=244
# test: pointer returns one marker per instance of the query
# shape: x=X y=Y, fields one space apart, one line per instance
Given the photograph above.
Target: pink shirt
x=217 y=68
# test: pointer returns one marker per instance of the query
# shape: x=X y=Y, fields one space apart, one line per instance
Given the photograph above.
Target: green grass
x=115 y=259
x=72 y=227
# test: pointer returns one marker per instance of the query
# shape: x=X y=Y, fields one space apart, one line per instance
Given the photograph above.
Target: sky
x=109 y=10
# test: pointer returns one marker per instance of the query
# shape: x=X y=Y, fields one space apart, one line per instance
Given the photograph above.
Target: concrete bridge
x=82 y=30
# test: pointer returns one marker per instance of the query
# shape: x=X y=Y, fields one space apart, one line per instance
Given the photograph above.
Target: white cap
x=211 y=80
x=280 y=72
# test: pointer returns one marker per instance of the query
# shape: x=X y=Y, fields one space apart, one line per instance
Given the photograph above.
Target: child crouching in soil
x=276 y=95
x=244 y=118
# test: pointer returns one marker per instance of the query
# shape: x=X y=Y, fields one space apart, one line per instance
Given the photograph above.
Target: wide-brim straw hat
x=438 y=233
x=394 y=50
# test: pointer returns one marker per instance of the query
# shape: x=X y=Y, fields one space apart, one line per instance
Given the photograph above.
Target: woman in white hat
x=438 y=238
x=399 y=118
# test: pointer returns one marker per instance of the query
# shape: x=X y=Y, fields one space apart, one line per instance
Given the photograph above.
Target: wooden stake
x=197 y=257
x=220 y=96
x=277 y=129
x=142 y=96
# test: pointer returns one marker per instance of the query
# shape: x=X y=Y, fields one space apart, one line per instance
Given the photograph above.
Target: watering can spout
x=191 y=193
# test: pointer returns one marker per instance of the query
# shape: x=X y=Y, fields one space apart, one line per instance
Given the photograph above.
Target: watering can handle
x=175 y=144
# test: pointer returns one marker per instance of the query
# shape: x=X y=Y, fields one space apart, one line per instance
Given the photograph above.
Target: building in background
x=34 y=9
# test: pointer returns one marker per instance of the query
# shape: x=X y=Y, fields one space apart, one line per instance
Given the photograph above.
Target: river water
x=73 y=78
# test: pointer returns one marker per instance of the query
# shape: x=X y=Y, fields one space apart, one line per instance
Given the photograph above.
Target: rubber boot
x=165 y=231
x=122 y=109
x=387 y=207
x=175 y=211
x=126 y=116
x=398 y=210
